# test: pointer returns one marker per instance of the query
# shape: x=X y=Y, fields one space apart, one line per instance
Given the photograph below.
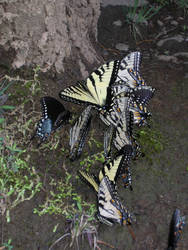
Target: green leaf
x=2 y=120
x=7 y=107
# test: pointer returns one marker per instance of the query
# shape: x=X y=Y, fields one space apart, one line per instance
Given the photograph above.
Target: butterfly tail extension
x=90 y=180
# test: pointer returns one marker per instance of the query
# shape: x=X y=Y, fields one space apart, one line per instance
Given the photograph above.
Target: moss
x=151 y=141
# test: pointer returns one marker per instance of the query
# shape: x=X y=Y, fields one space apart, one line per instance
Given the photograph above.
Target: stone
x=122 y=46
x=117 y=23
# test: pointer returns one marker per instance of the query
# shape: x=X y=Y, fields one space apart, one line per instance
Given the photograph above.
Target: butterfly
x=110 y=209
x=78 y=133
x=176 y=227
x=54 y=115
x=95 y=89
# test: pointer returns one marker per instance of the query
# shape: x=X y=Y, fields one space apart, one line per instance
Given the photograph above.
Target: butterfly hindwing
x=91 y=180
x=54 y=115
x=142 y=95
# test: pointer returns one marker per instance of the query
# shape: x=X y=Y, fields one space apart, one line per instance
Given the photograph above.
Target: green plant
x=63 y=200
x=90 y=160
x=79 y=226
x=3 y=98
x=139 y=15
x=183 y=4
x=7 y=245
x=151 y=141
x=18 y=181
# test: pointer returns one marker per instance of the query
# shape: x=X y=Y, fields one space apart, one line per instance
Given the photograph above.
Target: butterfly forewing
x=51 y=108
x=111 y=169
x=78 y=133
x=131 y=61
x=95 y=89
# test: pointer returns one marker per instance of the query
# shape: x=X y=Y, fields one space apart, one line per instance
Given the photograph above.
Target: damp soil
x=160 y=183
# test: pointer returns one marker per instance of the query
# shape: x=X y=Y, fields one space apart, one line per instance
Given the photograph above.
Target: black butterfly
x=54 y=115
x=176 y=227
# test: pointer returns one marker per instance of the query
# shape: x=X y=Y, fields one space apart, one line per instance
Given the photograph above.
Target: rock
x=160 y=23
x=117 y=23
x=122 y=46
x=182 y=54
x=167 y=58
x=175 y=23
x=177 y=38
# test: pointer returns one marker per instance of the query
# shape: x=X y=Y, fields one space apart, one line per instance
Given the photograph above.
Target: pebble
x=122 y=46
x=178 y=38
x=175 y=23
x=117 y=23
x=167 y=58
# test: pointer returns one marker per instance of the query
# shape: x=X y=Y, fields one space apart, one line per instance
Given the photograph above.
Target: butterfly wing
x=54 y=115
x=51 y=108
x=108 y=139
x=110 y=208
x=140 y=113
x=95 y=90
x=78 y=133
x=176 y=227
x=111 y=169
x=123 y=132
x=91 y=180
x=131 y=61
x=142 y=94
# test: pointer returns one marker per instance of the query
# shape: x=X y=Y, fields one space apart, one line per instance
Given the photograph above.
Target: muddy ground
x=160 y=180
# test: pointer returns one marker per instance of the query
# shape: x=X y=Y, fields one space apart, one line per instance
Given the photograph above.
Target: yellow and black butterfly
x=95 y=90
x=110 y=209
x=78 y=133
